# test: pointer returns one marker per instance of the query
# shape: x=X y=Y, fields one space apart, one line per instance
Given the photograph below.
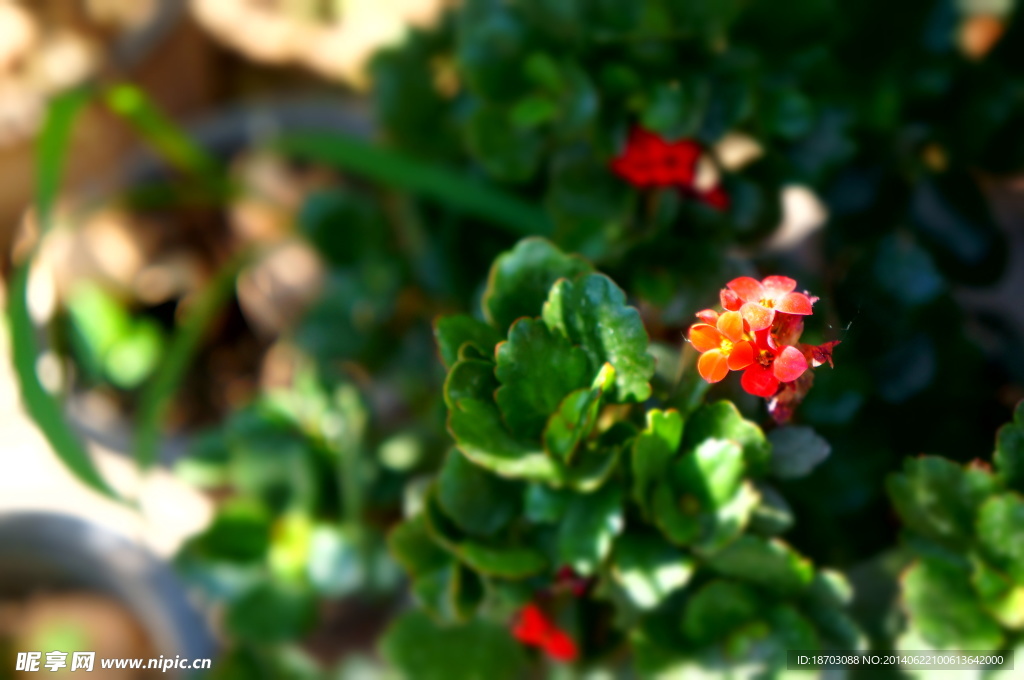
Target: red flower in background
x=759 y=333
x=534 y=628
x=648 y=161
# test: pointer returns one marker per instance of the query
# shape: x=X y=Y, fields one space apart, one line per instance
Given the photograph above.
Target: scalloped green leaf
x=648 y=569
x=415 y=549
x=590 y=524
x=718 y=608
x=521 y=278
x=544 y=505
x=945 y=610
x=452 y=332
x=503 y=562
x=722 y=420
x=1000 y=531
x=653 y=450
x=1009 y=455
x=576 y=417
x=475 y=423
x=765 y=562
x=537 y=368
x=421 y=648
x=938 y=498
x=598 y=461
x=796 y=451
x=592 y=312
x=478 y=501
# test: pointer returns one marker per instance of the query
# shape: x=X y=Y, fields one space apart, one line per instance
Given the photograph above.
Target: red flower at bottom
x=534 y=628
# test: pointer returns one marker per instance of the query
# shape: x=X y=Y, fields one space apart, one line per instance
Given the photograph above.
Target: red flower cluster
x=534 y=628
x=650 y=161
x=758 y=333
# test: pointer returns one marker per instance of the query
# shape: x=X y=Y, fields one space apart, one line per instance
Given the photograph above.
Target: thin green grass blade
x=45 y=410
x=161 y=388
x=401 y=172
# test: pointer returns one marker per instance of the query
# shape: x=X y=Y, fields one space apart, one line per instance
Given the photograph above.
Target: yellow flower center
x=767 y=302
x=725 y=346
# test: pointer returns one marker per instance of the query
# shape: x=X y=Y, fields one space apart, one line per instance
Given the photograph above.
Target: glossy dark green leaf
x=467 y=593
x=796 y=450
x=239 y=532
x=521 y=278
x=653 y=450
x=478 y=501
x=537 y=367
x=944 y=609
x=576 y=416
x=272 y=612
x=508 y=152
x=588 y=528
x=452 y=332
x=479 y=431
x=722 y=420
x=414 y=548
x=938 y=499
x=1009 y=456
x=766 y=562
x=648 y=569
x=773 y=515
x=592 y=312
x=420 y=648
x=544 y=505
x=719 y=608
x=675 y=109
x=509 y=562
x=1000 y=532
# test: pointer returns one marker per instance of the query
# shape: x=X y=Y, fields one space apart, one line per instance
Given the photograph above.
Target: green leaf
x=705 y=500
x=590 y=524
x=1009 y=456
x=592 y=312
x=507 y=151
x=796 y=450
x=722 y=420
x=419 y=648
x=944 y=609
x=576 y=417
x=648 y=569
x=520 y=279
x=719 y=608
x=467 y=593
x=452 y=332
x=537 y=368
x=938 y=499
x=772 y=515
x=415 y=549
x=478 y=501
x=479 y=431
x=239 y=532
x=675 y=109
x=766 y=562
x=272 y=612
x=45 y=410
x=653 y=450
x=998 y=594
x=1001 y=533
x=544 y=505
x=502 y=562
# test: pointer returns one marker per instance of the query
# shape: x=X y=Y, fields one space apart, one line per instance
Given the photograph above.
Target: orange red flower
x=759 y=333
x=534 y=628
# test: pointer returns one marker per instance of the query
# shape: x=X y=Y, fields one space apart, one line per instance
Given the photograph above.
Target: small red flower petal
x=708 y=316
x=759 y=381
x=716 y=198
x=790 y=364
x=705 y=337
x=532 y=626
x=749 y=290
x=794 y=303
x=758 y=316
x=713 y=366
x=741 y=356
x=777 y=286
x=730 y=300
x=560 y=646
